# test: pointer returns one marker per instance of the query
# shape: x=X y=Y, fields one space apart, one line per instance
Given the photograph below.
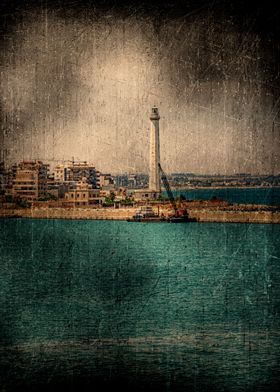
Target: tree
x=21 y=203
x=112 y=196
x=47 y=197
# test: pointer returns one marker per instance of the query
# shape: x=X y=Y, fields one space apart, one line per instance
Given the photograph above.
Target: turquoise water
x=267 y=196
x=153 y=306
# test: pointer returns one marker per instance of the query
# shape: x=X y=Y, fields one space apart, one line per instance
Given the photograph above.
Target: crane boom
x=168 y=189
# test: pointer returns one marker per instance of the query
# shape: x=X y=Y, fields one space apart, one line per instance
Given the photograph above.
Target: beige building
x=83 y=195
x=59 y=172
x=30 y=180
x=106 y=180
x=75 y=171
x=144 y=194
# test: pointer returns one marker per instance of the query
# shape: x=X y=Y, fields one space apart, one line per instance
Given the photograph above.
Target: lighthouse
x=154 y=175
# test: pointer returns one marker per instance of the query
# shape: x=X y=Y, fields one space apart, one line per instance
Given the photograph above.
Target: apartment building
x=30 y=180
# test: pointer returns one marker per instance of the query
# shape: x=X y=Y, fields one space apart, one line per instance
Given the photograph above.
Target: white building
x=154 y=175
x=154 y=190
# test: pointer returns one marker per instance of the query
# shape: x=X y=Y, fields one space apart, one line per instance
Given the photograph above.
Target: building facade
x=30 y=180
x=60 y=172
x=2 y=176
x=106 y=180
x=76 y=171
x=82 y=195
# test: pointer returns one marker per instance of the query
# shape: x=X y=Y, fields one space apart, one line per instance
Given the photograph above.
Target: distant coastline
x=178 y=188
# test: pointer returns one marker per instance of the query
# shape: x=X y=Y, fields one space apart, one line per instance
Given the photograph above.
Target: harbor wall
x=200 y=214
x=235 y=216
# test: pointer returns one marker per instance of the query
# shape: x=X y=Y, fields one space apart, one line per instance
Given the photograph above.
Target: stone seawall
x=70 y=213
x=201 y=214
x=235 y=216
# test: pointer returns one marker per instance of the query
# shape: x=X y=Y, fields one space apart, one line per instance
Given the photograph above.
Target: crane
x=168 y=189
x=170 y=194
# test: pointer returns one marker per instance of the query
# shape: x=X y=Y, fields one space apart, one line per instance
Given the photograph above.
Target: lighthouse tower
x=154 y=177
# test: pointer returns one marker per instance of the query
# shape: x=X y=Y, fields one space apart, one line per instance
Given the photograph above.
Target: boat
x=146 y=214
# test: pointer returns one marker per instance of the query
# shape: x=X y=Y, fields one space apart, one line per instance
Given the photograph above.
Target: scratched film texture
x=79 y=80
x=85 y=305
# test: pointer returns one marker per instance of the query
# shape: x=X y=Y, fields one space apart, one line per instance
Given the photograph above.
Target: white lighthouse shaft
x=154 y=178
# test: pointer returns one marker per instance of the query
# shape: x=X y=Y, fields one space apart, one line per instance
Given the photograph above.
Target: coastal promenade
x=201 y=213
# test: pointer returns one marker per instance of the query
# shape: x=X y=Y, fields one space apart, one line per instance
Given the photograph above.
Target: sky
x=78 y=79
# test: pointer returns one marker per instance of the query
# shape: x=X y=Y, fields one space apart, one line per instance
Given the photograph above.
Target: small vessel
x=145 y=214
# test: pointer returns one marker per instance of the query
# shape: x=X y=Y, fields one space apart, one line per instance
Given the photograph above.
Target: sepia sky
x=78 y=79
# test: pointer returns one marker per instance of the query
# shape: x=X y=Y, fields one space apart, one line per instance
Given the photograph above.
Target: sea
x=90 y=305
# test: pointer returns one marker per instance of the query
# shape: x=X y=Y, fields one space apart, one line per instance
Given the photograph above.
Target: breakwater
x=204 y=213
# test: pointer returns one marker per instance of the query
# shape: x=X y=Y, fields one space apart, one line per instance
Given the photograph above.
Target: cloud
x=84 y=87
